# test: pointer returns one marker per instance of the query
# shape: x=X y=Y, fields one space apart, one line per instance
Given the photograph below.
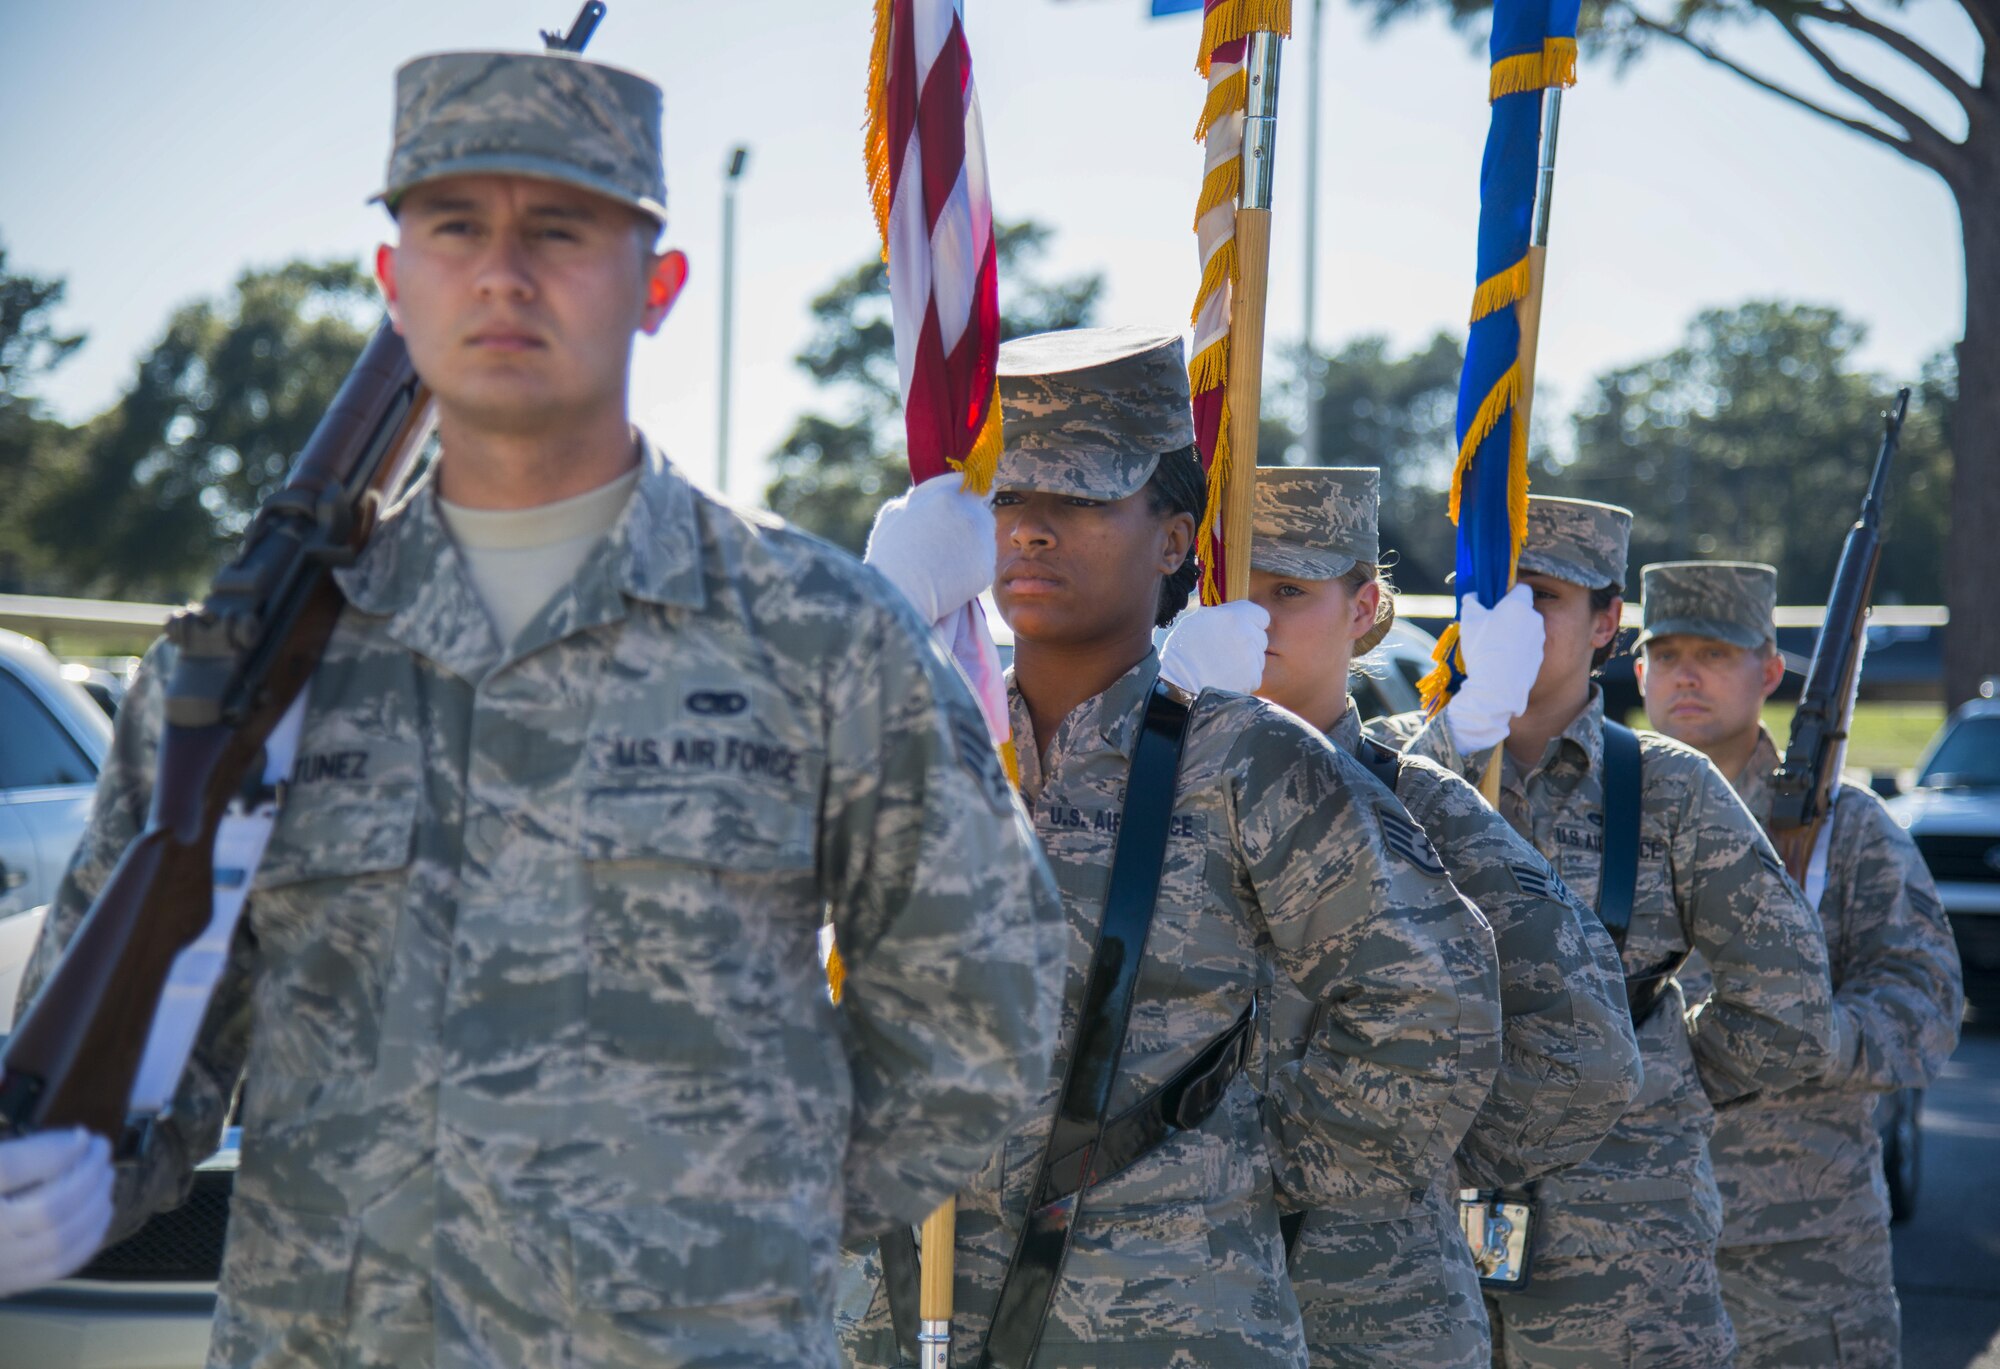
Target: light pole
x=1313 y=457
x=739 y=157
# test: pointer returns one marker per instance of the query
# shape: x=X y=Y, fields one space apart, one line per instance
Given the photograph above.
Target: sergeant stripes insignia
x=976 y=753
x=1407 y=840
x=1542 y=882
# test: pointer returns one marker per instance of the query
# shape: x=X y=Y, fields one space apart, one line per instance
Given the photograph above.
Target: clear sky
x=151 y=151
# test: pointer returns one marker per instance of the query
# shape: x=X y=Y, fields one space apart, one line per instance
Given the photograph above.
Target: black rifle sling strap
x=901 y=1276
x=1136 y=865
x=1618 y=883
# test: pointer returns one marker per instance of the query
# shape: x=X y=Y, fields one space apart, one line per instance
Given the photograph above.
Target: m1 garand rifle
x=243 y=655
x=1803 y=785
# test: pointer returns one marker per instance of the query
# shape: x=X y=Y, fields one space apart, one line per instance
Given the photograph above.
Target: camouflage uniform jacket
x=1290 y=876
x=1569 y=1067
x=1708 y=879
x=1806 y=1162
x=538 y=1062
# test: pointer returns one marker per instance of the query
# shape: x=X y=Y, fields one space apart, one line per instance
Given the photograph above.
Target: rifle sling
x=1136 y=866
x=1618 y=885
x=1182 y=1104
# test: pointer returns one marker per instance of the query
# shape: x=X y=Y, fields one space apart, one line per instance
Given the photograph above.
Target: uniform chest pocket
x=703 y=909
x=326 y=903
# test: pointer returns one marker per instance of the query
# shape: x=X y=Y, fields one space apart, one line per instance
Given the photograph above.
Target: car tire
x=1902 y=1157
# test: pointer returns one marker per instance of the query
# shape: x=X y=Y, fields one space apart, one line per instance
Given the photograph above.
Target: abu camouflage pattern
x=543 y=114
x=1729 y=601
x=1578 y=540
x=1402 y=1289
x=538 y=1062
x=1316 y=523
x=1637 y=1309
x=1806 y=1160
x=1089 y=412
x=1707 y=880
x=1818 y=1304
x=1375 y=1042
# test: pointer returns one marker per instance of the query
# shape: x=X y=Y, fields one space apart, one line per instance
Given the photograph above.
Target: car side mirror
x=1884 y=783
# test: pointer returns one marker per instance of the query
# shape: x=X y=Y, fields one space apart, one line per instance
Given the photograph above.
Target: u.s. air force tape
x=1407 y=840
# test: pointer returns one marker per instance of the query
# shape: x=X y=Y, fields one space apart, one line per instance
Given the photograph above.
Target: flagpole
x=1246 y=327
x=1528 y=314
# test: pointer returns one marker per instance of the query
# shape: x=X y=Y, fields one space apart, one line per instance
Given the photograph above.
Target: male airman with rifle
x=1804 y=1255
x=537 y=1063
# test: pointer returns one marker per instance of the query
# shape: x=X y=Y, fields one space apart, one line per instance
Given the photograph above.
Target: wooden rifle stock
x=243 y=655
x=1803 y=785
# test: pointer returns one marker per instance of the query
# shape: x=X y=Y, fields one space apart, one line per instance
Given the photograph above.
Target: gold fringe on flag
x=875 y=140
x=1211 y=514
x=984 y=459
x=1554 y=65
x=1226 y=96
x=1435 y=687
x=1503 y=396
x=1220 y=270
x=1235 y=19
x=1211 y=368
x=1496 y=292
x=1517 y=479
x=1220 y=186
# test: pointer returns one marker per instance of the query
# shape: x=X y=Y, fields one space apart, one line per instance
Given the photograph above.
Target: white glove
x=1503 y=655
x=935 y=544
x=1218 y=647
x=55 y=1206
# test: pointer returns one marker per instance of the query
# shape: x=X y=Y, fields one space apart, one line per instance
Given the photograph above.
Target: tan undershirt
x=519 y=558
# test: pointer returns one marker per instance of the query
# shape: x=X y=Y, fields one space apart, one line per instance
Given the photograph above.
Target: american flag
x=927 y=171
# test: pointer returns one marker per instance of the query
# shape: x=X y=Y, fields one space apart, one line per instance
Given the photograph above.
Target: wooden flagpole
x=1245 y=387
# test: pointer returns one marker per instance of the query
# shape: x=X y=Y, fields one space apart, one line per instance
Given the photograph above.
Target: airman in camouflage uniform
x=1291 y=878
x=1402 y=1289
x=538 y=1064
x=1805 y=1257
x=1624 y=1252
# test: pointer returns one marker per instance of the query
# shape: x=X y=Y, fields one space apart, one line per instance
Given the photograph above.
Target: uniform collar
x=411 y=573
x=1107 y=721
x=1576 y=750
x=1346 y=733
x=1753 y=786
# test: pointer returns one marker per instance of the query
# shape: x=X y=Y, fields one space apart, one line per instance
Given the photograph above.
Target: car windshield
x=1967 y=757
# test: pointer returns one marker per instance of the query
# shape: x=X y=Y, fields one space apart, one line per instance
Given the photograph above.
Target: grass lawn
x=1886 y=736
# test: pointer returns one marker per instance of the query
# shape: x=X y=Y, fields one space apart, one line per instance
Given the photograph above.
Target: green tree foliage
x=1754 y=440
x=1395 y=413
x=1857 y=58
x=31 y=443
x=831 y=473
x=160 y=486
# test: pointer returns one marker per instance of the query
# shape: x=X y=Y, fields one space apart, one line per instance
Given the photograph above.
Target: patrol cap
x=1578 y=540
x=1090 y=411
x=1729 y=601
x=1314 y=522
x=550 y=115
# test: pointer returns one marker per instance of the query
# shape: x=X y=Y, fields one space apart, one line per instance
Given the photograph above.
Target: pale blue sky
x=153 y=150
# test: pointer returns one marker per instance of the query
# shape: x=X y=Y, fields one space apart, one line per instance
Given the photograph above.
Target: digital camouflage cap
x=1090 y=411
x=1314 y=522
x=550 y=115
x=1729 y=601
x=1578 y=540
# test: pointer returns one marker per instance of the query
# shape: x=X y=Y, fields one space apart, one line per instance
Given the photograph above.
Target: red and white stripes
x=927 y=170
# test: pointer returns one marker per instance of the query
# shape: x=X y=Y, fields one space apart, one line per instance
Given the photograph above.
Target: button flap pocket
x=334 y=829
x=691 y=1253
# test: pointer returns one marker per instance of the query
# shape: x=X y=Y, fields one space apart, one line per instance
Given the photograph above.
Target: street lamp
x=739 y=157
